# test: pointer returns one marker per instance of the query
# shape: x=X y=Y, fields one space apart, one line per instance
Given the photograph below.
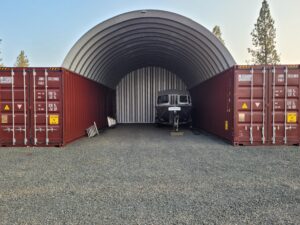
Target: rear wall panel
x=137 y=93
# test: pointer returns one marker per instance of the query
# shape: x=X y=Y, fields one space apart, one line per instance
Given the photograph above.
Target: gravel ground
x=142 y=175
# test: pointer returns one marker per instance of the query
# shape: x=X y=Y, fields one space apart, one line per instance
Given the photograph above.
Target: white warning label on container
x=5 y=80
x=52 y=107
x=4 y=119
x=280 y=78
x=292 y=92
x=291 y=104
x=53 y=78
x=242 y=117
x=245 y=77
x=293 y=76
x=52 y=95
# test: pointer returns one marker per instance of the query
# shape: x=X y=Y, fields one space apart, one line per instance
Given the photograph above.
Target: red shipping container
x=251 y=105
x=49 y=106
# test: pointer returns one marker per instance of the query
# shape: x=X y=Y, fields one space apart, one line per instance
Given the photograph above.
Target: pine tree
x=217 y=32
x=263 y=38
x=22 y=60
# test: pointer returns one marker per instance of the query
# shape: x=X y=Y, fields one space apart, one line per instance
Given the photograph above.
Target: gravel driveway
x=142 y=175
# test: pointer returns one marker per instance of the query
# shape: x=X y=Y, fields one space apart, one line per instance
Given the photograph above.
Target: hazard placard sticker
x=244 y=106
x=4 y=119
x=54 y=119
x=226 y=124
x=6 y=108
x=292 y=117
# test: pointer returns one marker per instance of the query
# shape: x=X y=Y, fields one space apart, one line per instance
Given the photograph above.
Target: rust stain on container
x=48 y=106
x=259 y=105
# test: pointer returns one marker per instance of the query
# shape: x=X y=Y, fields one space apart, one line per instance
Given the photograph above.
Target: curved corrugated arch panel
x=138 y=39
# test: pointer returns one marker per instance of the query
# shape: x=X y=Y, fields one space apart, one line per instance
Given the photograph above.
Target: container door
x=14 y=91
x=251 y=106
x=284 y=110
x=46 y=107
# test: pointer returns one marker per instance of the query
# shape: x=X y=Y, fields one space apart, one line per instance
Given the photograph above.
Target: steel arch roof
x=142 y=38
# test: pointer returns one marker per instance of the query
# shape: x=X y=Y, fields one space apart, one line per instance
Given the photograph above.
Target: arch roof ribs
x=142 y=38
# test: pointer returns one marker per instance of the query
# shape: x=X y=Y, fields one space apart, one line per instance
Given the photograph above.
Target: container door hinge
x=46 y=98
x=285 y=104
x=251 y=107
x=13 y=106
x=264 y=107
x=34 y=107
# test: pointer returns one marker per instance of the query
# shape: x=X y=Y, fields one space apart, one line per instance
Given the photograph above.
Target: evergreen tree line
x=263 y=38
x=22 y=60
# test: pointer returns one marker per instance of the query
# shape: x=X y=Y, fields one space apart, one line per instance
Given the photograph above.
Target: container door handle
x=251 y=107
x=264 y=99
x=34 y=107
x=285 y=104
x=25 y=108
x=13 y=106
x=46 y=99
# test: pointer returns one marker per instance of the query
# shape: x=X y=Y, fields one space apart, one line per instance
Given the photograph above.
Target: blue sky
x=47 y=29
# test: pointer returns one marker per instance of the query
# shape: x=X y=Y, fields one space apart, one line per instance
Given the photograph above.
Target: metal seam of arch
x=208 y=56
x=137 y=64
x=135 y=39
x=172 y=51
x=179 y=45
x=106 y=50
x=188 y=40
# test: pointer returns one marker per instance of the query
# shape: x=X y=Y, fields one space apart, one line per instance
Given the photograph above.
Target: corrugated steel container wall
x=137 y=93
x=238 y=104
x=213 y=105
x=85 y=101
x=49 y=106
